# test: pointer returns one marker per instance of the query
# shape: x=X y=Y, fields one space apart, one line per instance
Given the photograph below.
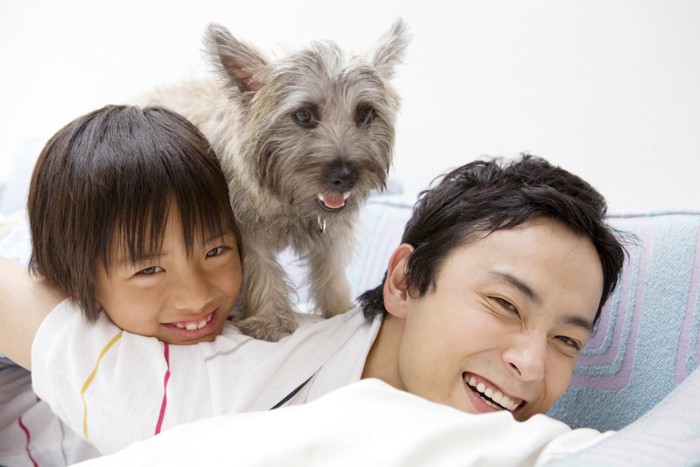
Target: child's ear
x=395 y=293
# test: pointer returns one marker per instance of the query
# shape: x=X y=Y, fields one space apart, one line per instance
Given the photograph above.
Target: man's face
x=505 y=324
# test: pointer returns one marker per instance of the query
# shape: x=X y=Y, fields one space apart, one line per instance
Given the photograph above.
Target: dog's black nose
x=343 y=176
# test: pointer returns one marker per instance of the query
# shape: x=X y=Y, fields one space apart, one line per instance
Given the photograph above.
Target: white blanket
x=365 y=423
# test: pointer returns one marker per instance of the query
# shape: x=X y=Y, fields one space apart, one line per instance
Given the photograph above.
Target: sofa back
x=646 y=341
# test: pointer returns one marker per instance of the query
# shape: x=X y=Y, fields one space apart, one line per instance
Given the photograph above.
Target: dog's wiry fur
x=315 y=122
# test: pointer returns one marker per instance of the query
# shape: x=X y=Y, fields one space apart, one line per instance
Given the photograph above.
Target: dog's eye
x=364 y=115
x=305 y=118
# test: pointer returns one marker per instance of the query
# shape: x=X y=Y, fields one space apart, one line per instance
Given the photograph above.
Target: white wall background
x=609 y=89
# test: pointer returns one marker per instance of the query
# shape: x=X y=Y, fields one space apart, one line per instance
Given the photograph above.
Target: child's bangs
x=165 y=160
x=204 y=209
x=138 y=228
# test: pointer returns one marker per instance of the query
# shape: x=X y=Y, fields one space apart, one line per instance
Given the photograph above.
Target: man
x=502 y=272
x=486 y=304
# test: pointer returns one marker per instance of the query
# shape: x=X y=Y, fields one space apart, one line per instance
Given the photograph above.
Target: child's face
x=170 y=296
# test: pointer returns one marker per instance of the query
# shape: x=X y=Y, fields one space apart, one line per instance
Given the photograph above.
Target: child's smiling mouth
x=194 y=325
x=194 y=329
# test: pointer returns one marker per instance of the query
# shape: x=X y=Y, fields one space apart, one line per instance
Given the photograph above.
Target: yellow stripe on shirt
x=89 y=379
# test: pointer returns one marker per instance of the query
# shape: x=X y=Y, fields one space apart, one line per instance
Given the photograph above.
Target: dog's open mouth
x=333 y=202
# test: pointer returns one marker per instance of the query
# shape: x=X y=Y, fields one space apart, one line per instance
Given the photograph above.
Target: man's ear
x=395 y=293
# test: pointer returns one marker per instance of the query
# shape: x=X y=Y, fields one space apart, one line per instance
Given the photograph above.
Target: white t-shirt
x=114 y=387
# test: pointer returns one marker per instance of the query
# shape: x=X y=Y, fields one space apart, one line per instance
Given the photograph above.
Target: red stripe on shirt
x=164 y=404
x=26 y=446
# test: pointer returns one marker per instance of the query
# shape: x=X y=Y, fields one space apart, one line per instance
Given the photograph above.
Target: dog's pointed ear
x=236 y=61
x=391 y=48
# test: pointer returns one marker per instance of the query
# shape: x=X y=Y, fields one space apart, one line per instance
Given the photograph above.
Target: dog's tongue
x=334 y=201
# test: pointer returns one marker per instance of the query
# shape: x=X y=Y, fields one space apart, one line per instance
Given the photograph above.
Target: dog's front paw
x=269 y=329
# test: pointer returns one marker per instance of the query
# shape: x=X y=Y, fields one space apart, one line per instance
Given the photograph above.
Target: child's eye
x=215 y=251
x=150 y=271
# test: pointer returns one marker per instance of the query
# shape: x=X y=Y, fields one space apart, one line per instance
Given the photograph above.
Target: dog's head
x=318 y=124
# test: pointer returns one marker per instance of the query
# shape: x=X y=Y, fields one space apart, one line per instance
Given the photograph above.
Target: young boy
x=502 y=273
x=130 y=218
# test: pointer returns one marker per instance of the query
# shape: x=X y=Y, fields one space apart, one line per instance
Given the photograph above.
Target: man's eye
x=570 y=342
x=505 y=304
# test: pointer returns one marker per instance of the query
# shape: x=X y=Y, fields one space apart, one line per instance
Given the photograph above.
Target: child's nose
x=192 y=291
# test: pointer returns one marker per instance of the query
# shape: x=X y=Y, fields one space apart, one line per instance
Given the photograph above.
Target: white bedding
x=365 y=423
x=369 y=423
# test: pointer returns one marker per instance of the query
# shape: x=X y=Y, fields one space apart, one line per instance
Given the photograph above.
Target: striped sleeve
x=108 y=385
x=115 y=388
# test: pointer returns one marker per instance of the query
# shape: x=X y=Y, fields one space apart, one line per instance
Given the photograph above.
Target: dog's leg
x=267 y=308
x=328 y=284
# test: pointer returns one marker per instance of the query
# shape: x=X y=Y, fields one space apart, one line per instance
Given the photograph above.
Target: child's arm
x=110 y=390
x=24 y=303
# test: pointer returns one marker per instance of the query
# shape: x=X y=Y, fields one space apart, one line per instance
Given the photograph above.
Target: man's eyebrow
x=513 y=281
x=579 y=322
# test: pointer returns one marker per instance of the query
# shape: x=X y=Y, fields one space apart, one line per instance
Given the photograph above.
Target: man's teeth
x=497 y=399
x=193 y=325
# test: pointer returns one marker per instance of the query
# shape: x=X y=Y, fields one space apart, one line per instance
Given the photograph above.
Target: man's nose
x=527 y=356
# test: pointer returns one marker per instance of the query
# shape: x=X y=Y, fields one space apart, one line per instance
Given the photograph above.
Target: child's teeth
x=194 y=326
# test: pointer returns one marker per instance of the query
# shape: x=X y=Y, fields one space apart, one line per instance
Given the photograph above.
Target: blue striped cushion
x=646 y=342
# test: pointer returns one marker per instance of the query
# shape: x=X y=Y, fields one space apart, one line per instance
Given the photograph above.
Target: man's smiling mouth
x=495 y=399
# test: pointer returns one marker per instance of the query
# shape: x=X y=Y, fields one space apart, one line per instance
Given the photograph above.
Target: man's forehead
x=538 y=258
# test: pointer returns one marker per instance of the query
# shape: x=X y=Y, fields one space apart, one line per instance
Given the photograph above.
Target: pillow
x=646 y=342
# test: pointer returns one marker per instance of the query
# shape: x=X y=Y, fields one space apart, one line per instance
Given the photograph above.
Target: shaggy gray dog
x=303 y=141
